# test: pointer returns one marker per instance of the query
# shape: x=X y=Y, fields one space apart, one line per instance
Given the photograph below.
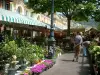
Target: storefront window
x=0 y=3
x=5 y=4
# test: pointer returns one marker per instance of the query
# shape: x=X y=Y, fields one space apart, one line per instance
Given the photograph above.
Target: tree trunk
x=68 y=23
x=67 y=44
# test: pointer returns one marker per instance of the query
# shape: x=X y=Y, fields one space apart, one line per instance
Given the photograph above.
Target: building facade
x=20 y=17
x=5 y=4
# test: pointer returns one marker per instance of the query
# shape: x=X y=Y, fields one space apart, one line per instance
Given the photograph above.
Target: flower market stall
x=38 y=68
x=21 y=57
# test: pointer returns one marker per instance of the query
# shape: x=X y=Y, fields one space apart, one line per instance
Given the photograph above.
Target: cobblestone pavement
x=65 y=66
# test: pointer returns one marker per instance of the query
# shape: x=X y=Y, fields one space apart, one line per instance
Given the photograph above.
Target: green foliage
x=98 y=27
x=84 y=11
x=57 y=51
x=29 y=52
x=4 y=55
x=11 y=47
x=93 y=43
x=95 y=52
x=96 y=49
x=35 y=53
x=22 y=49
x=96 y=15
x=76 y=9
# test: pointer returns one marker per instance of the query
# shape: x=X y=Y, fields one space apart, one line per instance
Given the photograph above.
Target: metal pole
x=51 y=40
x=52 y=22
x=52 y=14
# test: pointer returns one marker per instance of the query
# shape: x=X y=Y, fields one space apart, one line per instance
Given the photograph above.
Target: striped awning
x=13 y=17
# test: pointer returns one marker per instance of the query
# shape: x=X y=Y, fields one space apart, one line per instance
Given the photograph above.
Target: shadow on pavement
x=84 y=70
x=71 y=52
x=85 y=67
x=67 y=60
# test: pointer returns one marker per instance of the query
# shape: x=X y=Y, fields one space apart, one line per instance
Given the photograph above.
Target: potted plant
x=36 y=70
x=11 y=48
x=4 y=56
x=24 y=53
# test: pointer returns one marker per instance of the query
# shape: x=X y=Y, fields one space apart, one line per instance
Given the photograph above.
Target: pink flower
x=25 y=73
x=48 y=61
x=39 y=68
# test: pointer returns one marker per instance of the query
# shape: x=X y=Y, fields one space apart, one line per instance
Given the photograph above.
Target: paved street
x=65 y=66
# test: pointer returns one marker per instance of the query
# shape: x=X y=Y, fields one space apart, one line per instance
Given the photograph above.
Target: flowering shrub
x=42 y=66
x=48 y=61
x=38 y=68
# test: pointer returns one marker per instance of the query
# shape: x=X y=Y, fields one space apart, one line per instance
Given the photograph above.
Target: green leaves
x=96 y=15
x=98 y=27
x=84 y=11
x=77 y=9
x=25 y=50
x=11 y=47
x=39 y=5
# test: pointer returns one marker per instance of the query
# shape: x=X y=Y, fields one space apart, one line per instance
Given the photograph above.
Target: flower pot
x=11 y=71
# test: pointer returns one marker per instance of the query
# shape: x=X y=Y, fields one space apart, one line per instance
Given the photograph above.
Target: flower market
x=49 y=37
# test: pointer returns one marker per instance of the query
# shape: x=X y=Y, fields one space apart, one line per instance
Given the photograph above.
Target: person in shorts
x=77 y=45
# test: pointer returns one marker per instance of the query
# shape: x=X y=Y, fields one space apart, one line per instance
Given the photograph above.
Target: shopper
x=77 y=45
x=86 y=45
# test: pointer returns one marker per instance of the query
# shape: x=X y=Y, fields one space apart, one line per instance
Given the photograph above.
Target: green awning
x=10 y=16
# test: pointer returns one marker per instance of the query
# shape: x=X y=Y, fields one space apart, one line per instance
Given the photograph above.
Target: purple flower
x=38 y=68
x=48 y=61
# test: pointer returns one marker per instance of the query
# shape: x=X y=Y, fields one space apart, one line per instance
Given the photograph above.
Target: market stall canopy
x=12 y=17
x=76 y=30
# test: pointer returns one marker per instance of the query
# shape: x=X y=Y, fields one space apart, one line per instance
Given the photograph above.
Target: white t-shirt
x=78 y=39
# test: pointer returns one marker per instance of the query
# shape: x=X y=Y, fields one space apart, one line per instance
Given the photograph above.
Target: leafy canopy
x=72 y=9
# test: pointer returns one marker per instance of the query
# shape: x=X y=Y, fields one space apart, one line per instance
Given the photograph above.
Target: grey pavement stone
x=65 y=66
